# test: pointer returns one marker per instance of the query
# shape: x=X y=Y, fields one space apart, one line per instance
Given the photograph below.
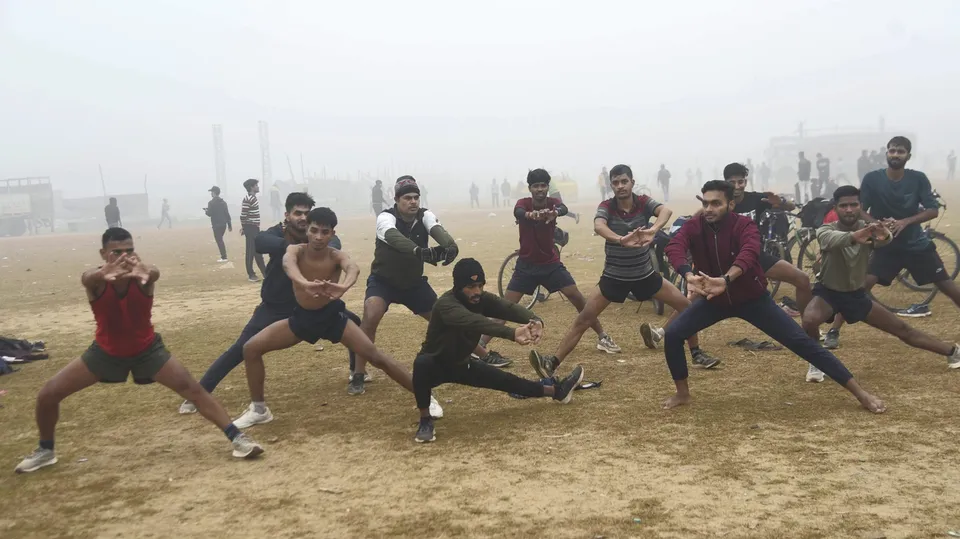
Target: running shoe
x=436 y=411
x=544 y=365
x=245 y=448
x=703 y=360
x=831 y=341
x=652 y=335
x=494 y=359
x=38 y=459
x=251 y=417
x=564 y=388
x=953 y=360
x=366 y=377
x=187 y=407
x=814 y=374
x=355 y=387
x=915 y=311
x=606 y=344
x=425 y=432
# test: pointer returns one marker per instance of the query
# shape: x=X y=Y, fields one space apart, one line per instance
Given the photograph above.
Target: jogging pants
x=250 y=233
x=218 y=232
x=764 y=315
x=263 y=316
x=429 y=372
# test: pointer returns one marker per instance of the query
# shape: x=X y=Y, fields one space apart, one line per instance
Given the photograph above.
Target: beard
x=896 y=163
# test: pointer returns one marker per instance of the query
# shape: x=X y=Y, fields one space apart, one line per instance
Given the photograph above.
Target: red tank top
x=123 y=323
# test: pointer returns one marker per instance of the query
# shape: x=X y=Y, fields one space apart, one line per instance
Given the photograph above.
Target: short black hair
x=845 y=191
x=299 y=199
x=115 y=234
x=735 y=170
x=250 y=183
x=719 y=185
x=537 y=175
x=620 y=170
x=903 y=142
x=322 y=216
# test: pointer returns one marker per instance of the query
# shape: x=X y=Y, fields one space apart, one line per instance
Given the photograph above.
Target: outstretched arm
x=494 y=306
x=291 y=265
x=351 y=271
x=456 y=315
x=271 y=242
x=387 y=232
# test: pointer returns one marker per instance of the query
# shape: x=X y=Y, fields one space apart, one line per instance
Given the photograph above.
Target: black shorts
x=527 y=277
x=853 y=306
x=419 y=299
x=767 y=261
x=924 y=266
x=327 y=322
x=616 y=291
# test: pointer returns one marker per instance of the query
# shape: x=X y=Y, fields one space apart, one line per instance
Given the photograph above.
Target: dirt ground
x=759 y=453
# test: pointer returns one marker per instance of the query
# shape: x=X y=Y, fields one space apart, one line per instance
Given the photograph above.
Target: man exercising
x=845 y=247
x=538 y=263
x=725 y=248
x=314 y=269
x=121 y=297
x=459 y=317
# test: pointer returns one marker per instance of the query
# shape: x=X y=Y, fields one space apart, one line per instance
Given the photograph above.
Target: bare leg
x=71 y=379
x=784 y=272
x=949 y=289
x=373 y=310
x=885 y=320
x=174 y=376
x=837 y=323
x=579 y=302
x=356 y=340
x=817 y=312
x=276 y=336
x=591 y=311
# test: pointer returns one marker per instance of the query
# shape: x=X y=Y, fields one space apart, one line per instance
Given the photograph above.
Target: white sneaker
x=251 y=418
x=953 y=360
x=436 y=411
x=38 y=459
x=222 y=260
x=245 y=448
x=188 y=407
x=652 y=335
x=814 y=374
x=318 y=347
x=606 y=344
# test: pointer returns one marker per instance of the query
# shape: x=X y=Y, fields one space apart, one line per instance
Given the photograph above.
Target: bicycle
x=560 y=239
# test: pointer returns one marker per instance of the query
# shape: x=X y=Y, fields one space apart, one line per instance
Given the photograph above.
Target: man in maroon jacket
x=725 y=249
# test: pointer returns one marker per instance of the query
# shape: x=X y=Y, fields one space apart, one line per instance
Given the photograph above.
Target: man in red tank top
x=121 y=296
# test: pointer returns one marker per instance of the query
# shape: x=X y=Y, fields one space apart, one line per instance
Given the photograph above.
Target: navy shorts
x=616 y=291
x=767 y=261
x=854 y=306
x=527 y=277
x=327 y=322
x=924 y=266
x=419 y=299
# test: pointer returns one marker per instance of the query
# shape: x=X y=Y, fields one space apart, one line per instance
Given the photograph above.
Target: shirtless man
x=315 y=269
x=121 y=297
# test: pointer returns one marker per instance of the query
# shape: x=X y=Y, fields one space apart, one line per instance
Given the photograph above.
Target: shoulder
x=524 y=203
x=386 y=218
x=275 y=230
x=871 y=177
x=917 y=175
x=606 y=205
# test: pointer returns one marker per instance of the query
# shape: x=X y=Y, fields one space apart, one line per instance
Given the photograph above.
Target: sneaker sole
x=535 y=363
x=186 y=411
x=255 y=452
x=953 y=365
x=419 y=441
x=646 y=333
x=922 y=315
x=709 y=365
x=814 y=380
x=38 y=466
x=603 y=348
x=355 y=393
x=267 y=420
x=569 y=397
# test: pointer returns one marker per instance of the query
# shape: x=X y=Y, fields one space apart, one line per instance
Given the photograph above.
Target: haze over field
x=455 y=93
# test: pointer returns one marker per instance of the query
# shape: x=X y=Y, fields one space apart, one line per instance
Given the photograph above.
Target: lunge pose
x=396 y=274
x=121 y=297
x=314 y=269
x=539 y=263
x=725 y=248
x=459 y=317
x=624 y=222
x=845 y=246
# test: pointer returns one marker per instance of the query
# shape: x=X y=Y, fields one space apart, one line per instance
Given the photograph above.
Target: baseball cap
x=215 y=190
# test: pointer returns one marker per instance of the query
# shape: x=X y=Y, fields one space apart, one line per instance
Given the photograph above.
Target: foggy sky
x=464 y=93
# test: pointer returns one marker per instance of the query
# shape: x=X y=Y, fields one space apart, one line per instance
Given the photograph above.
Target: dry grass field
x=759 y=453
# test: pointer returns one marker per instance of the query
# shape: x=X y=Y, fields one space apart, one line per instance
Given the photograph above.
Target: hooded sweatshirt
x=734 y=241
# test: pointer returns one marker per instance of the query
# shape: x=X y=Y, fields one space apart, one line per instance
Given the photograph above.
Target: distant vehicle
x=25 y=204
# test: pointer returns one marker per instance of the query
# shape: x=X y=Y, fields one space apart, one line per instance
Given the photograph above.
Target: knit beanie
x=467 y=272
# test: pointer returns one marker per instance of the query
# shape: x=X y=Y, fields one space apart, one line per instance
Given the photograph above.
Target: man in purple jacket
x=725 y=247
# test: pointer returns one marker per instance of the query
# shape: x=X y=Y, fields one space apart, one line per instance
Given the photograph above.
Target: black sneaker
x=704 y=360
x=494 y=359
x=915 y=311
x=544 y=365
x=564 y=388
x=355 y=387
x=831 y=341
x=425 y=431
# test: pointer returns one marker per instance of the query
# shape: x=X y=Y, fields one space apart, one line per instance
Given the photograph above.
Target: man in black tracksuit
x=459 y=317
x=276 y=293
x=219 y=216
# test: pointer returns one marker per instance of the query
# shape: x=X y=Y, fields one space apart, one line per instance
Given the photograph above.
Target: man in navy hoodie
x=725 y=248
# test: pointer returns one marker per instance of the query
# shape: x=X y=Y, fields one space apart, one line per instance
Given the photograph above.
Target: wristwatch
x=726 y=279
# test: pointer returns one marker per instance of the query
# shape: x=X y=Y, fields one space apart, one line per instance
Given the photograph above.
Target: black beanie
x=467 y=272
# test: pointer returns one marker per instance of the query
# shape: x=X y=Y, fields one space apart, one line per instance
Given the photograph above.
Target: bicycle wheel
x=774 y=248
x=949 y=254
x=904 y=291
x=503 y=279
x=808 y=259
x=657 y=304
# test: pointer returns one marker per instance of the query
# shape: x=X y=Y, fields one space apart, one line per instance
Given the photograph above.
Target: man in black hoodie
x=460 y=316
x=219 y=216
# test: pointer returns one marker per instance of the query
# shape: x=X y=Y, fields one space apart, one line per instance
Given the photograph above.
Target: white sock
x=260 y=407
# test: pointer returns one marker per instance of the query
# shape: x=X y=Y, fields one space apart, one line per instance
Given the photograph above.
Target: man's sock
x=260 y=407
x=46 y=444
x=231 y=431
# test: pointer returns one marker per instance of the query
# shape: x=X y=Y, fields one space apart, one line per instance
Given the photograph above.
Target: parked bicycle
x=560 y=240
